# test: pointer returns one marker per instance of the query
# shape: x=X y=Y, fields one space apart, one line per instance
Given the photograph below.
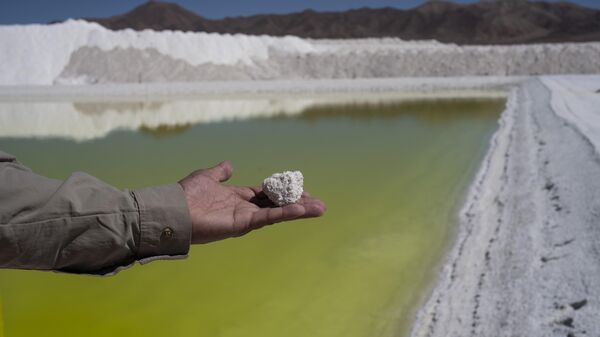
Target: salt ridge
x=576 y=99
x=79 y=52
x=527 y=242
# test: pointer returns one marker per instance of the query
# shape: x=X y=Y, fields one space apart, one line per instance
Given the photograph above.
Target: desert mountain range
x=485 y=22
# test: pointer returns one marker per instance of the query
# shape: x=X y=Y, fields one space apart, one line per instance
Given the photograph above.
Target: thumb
x=221 y=172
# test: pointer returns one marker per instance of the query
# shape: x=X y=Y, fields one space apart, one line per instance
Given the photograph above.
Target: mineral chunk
x=284 y=188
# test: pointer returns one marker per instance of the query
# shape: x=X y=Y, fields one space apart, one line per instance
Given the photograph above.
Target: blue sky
x=42 y=11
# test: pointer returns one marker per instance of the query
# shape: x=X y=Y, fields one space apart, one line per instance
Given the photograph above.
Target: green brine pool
x=392 y=173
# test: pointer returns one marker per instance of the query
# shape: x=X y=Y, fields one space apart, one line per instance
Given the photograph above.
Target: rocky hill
x=486 y=22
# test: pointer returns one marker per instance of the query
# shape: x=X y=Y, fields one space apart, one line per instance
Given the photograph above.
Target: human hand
x=219 y=211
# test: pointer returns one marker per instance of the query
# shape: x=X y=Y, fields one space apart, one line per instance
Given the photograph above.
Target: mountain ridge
x=485 y=22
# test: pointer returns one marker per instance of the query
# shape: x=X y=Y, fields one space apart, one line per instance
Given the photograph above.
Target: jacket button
x=167 y=233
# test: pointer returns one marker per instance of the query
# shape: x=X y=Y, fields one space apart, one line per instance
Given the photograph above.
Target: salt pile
x=37 y=54
x=79 y=52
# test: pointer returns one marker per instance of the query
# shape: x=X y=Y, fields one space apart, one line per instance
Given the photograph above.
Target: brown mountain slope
x=486 y=22
x=156 y=16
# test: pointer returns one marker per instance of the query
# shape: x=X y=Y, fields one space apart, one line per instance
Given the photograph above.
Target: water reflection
x=165 y=130
x=426 y=110
x=96 y=108
x=82 y=121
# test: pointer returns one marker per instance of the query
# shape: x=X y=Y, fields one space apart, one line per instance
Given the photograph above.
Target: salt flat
x=525 y=261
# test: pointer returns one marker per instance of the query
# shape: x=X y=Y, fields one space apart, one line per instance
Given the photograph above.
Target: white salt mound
x=37 y=54
x=284 y=188
x=77 y=52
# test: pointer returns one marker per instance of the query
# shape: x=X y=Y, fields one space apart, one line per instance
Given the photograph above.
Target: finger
x=268 y=216
x=250 y=193
x=244 y=192
x=262 y=203
x=317 y=207
x=221 y=172
x=253 y=195
x=258 y=192
x=313 y=207
x=307 y=199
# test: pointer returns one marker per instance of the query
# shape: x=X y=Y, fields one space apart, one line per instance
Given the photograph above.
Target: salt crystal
x=284 y=188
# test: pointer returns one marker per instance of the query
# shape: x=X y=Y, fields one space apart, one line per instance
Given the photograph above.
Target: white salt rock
x=284 y=188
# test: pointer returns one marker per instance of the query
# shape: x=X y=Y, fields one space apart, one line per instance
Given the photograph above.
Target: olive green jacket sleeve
x=82 y=225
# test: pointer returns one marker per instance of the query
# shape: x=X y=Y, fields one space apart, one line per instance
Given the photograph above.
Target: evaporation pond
x=392 y=172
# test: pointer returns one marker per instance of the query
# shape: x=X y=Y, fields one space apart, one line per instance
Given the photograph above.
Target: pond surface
x=391 y=172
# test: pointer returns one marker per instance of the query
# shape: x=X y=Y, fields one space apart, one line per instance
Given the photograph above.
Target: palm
x=219 y=211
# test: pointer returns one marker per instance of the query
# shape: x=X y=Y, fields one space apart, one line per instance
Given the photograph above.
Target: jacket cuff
x=165 y=223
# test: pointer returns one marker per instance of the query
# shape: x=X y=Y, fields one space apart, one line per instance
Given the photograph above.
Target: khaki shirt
x=83 y=225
